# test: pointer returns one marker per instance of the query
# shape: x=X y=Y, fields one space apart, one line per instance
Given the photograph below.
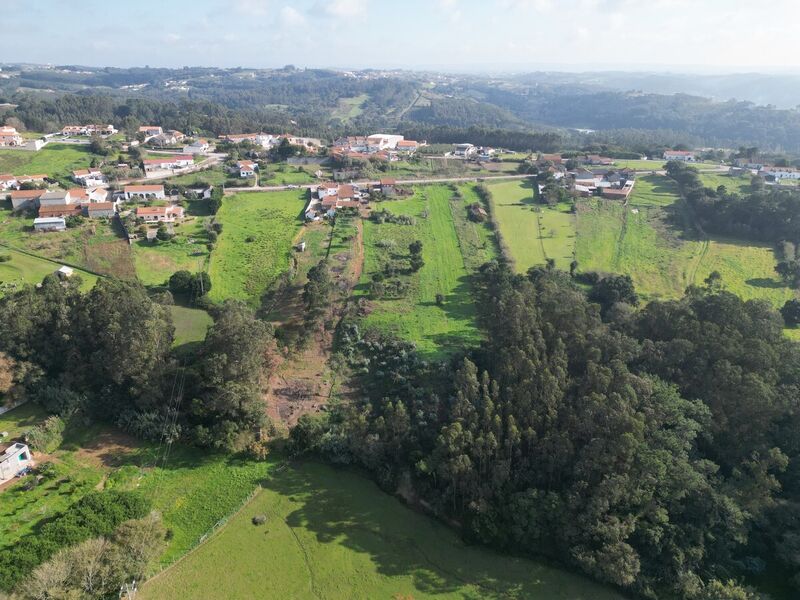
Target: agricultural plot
x=214 y=176
x=25 y=269
x=655 y=164
x=156 y=261
x=532 y=232
x=255 y=245
x=476 y=240
x=54 y=160
x=350 y=108
x=739 y=185
x=287 y=175
x=416 y=316
x=333 y=534
x=654 y=190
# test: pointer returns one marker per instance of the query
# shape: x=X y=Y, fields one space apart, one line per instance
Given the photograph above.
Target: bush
x=5 y=258
x=259 y=519
x=47 y=436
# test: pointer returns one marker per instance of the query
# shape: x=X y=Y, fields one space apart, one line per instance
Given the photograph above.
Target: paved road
x=307 y=186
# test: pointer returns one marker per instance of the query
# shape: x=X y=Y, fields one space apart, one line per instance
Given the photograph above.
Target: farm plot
x=740 y=185
x=255 y=245
x=54 y=160
x=25 y=269
x=532 y=232
x=333 y=534
x=416 y=316
x=654 y=190
x=476 y=239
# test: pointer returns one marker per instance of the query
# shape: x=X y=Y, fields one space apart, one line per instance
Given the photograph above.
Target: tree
x=180 y=282
x=163 y=233
x=612 y=289
x=790 y=312
x=317 y=293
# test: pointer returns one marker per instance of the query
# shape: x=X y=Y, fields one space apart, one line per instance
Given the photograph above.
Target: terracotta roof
x=346 y=191
x=27 y=193
x=101 y=206
x=65 y=209
x=8 y=177
x=388 y=181
x=78 y=193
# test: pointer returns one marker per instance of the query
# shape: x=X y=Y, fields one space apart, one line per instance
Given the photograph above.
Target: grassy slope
x=734 y=184
x=332 y=534
x=54 y=160
x=23 y=268
x=417 y=317
x=653 y=190
x=244 y=270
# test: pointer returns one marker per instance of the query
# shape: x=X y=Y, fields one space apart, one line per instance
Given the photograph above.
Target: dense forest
x=656 y=448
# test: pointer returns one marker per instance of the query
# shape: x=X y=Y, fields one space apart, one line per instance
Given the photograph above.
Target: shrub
x=5 y=258
x=47 y=436
x=259 y=519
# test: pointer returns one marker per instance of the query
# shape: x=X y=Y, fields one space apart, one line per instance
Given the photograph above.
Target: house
x=596 y=159
x=464 y=150
x=99 y=210
x=55 y=198
x=37 y=179
x=265 y=140
x=62 y=210
x=49 y=224
x=10 y=137
x=89 y=177
x=159 y=214
x=15 y=459
x=553 y=158
x=167 y=163
x=199 y=146
x=150 y=131
x=144 y=192
x=612 y=193
x=25 y=199
x=247 y=168
x=387 y=186
x=681 y=155
x=780 y=173
x=407 y=147
x=97 y=194
x=383 y=141
x=8 y=182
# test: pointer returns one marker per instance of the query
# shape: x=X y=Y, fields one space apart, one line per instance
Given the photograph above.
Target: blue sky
x=472 y=35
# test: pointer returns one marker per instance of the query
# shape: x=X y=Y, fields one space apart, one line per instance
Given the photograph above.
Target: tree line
x=656 y=449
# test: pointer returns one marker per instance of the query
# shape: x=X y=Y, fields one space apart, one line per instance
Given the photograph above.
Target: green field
x=435 y=329
x=350 y=108
x=244 y=269
x=740 y=185
x=655 y=165
x=333 y=534
x=191 y=324
x=213 y=176
x=654 y=190
x=25 y=269
x=532 y=232
x=55 y=160
x=288 y=175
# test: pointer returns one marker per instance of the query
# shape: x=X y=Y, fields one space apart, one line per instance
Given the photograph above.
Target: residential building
x=265 y=140
x=25 y=199
x=37 y=179
x=91 y=129
x=383 y=141
x=150 y=131
x=15 y=459
x=159 y=214
x=387 y=186
x=464 y=150
x=779 y=173
x=407 y=146
x=10 y=137
x=89 y=177
x=247 y=168
x=55 y=198
x=60 y=210
x=682 y=155
x=167 y=163
x=49 y=224
x=553 y=158
x=8 y=181
x=98 y=210
x=199 y=146
x=144 y=192
x=596 y=159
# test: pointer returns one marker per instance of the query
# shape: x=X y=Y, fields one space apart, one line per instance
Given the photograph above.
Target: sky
x=458 y=35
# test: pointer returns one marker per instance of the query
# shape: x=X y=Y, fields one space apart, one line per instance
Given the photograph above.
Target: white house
x=247 y=168
x=682 y=155
x=464 y=150
x=10 y=137
x=144 y=192
x=49 y=224
x=91 y=129
x=199 y=146
x=89 y=177
x=779 y=173
x=55 y=198
x=167 y=163
x=407 y=146
x=383 y=141
x=14 y=459
x=150 y=131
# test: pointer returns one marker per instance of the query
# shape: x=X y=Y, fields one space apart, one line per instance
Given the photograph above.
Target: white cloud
x=346 y=8
x=291 y=17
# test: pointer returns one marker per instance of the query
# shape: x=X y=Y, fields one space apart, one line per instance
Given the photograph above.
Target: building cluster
x=167 y=163
x=681 y=155
x=89 y=130
x=607 y=183
x=268 y=140
x=382 y=146
x=327 y=198
x=467 y=151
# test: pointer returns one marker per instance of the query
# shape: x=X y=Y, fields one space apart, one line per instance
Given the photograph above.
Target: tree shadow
x=341 y=507
x=765 y=282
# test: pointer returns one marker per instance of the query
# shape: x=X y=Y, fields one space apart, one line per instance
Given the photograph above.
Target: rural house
x=682 y=155
x=10 y=137
x=247 y=168
x=150 y=131
x=103 y=130
x=199 y=146
x=159 y=214
x=464 y=150
x=144 y=192
x=25 y=199
x=88 y=177
x=167 y=163
x=99 y=210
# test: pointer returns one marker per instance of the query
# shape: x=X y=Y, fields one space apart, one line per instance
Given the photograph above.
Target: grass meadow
x=416 y=317
x=191 y=324
x=24 y=269
x=54 y=160
x=255 y=245
x=333 y=534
